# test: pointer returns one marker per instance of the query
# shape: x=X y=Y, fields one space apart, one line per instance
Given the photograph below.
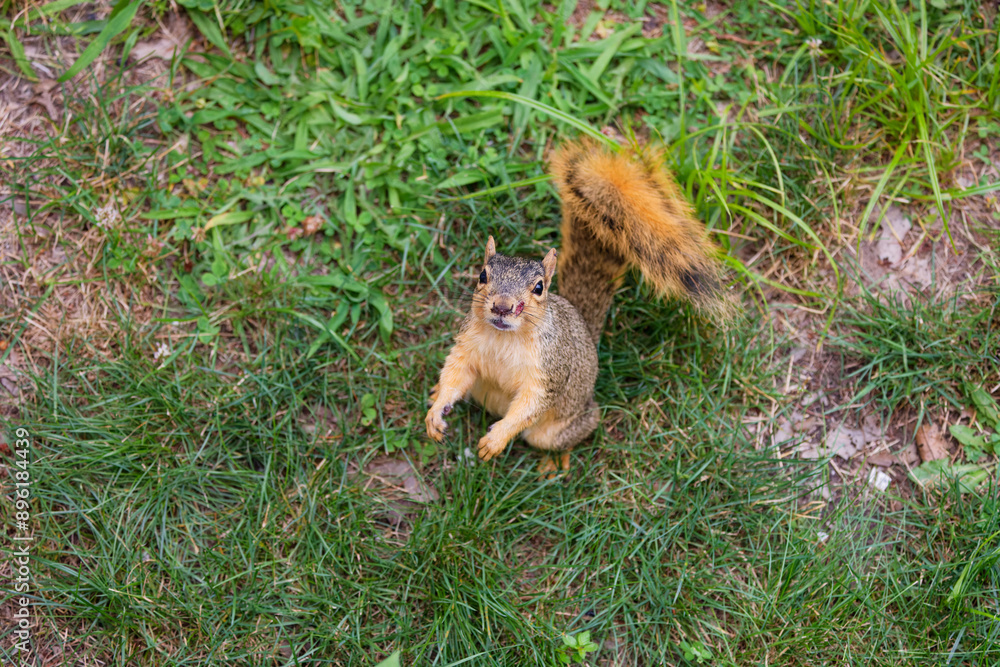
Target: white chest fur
x=507 y=363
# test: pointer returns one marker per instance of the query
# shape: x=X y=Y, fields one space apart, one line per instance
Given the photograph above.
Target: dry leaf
x=311 y=225
x=317 y=419
x=845 y=442
x=399 y=472
x=43 y=96
x=418 y=491
x=910 y=455
x=894 y=227
x=966 y=181
x=917 y=271
x=384 y=466
x=931 y=444
x=882 y=459
x=9 y=374
x=906 y=456
x=168 y=43
x=35 y=56
x=164 y=49
x=784 y=432
x=8 y=385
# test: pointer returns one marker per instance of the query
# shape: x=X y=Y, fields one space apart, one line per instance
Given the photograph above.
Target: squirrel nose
x=502 y=306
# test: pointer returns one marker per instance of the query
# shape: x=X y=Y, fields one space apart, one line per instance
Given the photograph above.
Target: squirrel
x=529 y=355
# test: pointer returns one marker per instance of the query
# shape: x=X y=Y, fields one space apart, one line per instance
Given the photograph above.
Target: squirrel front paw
x=436 y=425
x=490 y=445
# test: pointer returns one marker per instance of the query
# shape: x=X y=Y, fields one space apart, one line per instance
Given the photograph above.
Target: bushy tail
x=624 y=209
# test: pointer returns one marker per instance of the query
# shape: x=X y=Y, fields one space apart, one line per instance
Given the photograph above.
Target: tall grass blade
x=539 y=106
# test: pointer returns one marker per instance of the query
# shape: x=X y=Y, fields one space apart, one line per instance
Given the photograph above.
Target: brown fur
x=521 y=373
x=530 y=358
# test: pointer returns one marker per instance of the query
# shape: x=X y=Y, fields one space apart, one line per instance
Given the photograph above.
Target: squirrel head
x=512 y=291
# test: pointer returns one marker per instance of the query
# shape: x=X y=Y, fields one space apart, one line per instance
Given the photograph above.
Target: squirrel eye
x=482 y=277
x=538 y=288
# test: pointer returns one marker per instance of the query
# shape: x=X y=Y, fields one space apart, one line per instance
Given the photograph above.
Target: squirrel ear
x=549 y=264
x=491 y=248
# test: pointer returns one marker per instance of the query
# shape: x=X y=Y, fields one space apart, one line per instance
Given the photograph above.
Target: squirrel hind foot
x=553 y=464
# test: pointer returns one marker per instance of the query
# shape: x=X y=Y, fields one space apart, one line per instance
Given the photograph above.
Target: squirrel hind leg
x=553 y=463
x=559 y=435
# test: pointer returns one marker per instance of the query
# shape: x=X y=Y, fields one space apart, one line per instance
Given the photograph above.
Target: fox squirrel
x=530 y=356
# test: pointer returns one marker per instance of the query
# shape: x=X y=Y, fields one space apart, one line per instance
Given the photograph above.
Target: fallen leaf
x=784 y=432
x=317 y=419
x=311 y=225
x=882 y=459
x=43 y=96
x=36 y=56
x=168 y=43
x=847 y=442
x=809 y=450
x=889 y=245
x=806 y=425
x=844 y=442
x=931 y=444
x=388 y=467
x=9 y=375
x=400 y=472
x=910 y=454
x=965 y=181
x=418 y=491
x=917 y=271
x=164 y=49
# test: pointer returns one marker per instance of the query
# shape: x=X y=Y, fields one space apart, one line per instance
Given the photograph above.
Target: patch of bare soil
x=908 y=255
x=53 y=289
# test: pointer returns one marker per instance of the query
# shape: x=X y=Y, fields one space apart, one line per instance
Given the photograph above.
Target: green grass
x=187 y=514
x=928 y=349
x=211 y=507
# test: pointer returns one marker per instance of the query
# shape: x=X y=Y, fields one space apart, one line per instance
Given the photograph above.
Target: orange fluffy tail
x=624 y=209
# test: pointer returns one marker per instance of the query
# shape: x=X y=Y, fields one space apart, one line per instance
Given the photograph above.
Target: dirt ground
x=50 y=274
